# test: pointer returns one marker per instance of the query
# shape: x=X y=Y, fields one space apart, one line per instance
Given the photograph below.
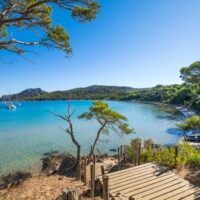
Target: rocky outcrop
x=55 y=163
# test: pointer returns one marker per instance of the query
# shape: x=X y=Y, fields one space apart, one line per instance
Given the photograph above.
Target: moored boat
x=193 y=136
x=10 y=106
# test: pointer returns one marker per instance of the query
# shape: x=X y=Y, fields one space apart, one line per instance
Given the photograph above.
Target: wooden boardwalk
x=150 y=181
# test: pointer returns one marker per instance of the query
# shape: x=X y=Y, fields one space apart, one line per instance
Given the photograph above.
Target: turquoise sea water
x=30 y=130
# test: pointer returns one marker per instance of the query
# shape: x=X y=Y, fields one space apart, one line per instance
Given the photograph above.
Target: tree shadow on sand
x=13 y=179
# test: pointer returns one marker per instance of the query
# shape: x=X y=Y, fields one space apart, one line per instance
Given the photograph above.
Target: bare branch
x=70 y=130
x=57 y=115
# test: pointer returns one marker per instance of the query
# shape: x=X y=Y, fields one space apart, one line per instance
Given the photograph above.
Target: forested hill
x=91 y=92
x=187 y=95
x=184 y=94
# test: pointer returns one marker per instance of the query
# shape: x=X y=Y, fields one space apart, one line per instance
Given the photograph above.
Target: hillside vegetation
x=92 y=92
x=186 y=94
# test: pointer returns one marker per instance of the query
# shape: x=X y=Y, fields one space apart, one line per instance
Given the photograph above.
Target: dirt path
x=39 y=188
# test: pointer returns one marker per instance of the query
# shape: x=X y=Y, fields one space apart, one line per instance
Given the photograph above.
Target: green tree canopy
x=107 y=118
x=191 y=74
x=190 y=123
x=35 y=16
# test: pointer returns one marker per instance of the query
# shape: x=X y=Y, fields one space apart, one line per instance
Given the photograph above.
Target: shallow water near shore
x=31 y=130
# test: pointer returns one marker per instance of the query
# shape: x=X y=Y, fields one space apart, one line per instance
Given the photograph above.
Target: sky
x=138 y=43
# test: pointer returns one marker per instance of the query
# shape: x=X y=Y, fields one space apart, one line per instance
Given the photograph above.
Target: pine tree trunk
x=97 y=137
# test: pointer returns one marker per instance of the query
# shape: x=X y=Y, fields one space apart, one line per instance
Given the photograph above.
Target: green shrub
x=130 y=150
x=187 y=155
x=190 y=123
x=166 y=156
x=194 y=160
x=147 y=153
x=130 y=153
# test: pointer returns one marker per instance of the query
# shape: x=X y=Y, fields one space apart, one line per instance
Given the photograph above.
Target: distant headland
x=168 y=94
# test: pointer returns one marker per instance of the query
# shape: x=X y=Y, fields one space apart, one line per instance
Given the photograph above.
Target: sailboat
x=10 y=105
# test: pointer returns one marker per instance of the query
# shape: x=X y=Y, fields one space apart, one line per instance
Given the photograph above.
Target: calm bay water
x=30 y=130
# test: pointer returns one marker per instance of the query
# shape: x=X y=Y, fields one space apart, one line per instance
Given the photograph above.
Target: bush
x=190 y=123
x=130 y=150
x=187 y=155
x=166 y=156
x=147 y=153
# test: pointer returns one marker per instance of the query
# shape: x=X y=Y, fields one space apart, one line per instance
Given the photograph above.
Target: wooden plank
x=154 y=188
x=132 y=172
x=187 y=194
x=149 y=181
x=134 y=189
x=154 y=180
x=160 y=195
x=180 y=193
x=112 y=174
x=130 y=176
x=137 y=179
x=127 y=174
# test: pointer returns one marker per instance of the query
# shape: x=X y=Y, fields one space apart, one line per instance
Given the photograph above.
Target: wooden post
x=85 y=170
x=90 y=151
x=139 y=152
x=92 y=180
x=176 y=154
x=121 y=151
x=94 y=162
x=118 y=156
x=102 y=170
x=70 y=194
x=136 y=153
x=79 y=170
x=105 y=187
x=94 y=159
x=124 y=157
x=121 y=155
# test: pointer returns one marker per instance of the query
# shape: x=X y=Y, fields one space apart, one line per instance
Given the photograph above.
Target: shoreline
x=186 y=112
x=180 y=109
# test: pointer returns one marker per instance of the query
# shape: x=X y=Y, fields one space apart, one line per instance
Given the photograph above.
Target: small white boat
x=10 y=106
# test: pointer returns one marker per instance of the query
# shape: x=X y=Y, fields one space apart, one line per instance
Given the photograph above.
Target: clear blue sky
x=138 y=43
